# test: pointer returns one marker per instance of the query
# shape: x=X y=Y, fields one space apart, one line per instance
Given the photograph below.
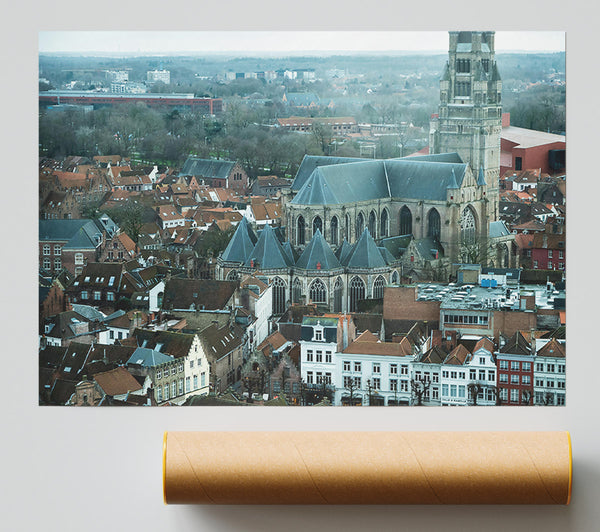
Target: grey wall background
x=69 y=469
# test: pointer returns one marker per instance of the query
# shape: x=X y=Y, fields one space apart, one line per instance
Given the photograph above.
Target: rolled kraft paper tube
x=367 y=467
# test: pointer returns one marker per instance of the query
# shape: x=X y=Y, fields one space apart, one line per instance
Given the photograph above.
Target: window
x=453 y=388
x=159 y=394
x=84 y=294
x=518 y=163
x=526 y=366
x=503 y=377
x=318 y=335
x=173 y=388
x=549 y=253
x=504 y=364
x=376 y=383
x=180 y=367
x=328 y=356
x=158 y=371
x=393 y=385
x=472 y=374
x=526 y=379
x=550 y=265
x=97 y=295
x=482 y=360
x=347 y=382
x=110 y=296
x=435 y=393
x=491 y=375
x=376 y=368
x=403 y=370
x=514 y=365
x=394 y=369
x=78 y=258
x=46 y=249
x=539 y=382
x=561 y=368
x=317 y=292
x=309 y=355
x=319 y=356
x=57 y=249
x=560 y=399
x=445 y=390
x=535 y=264
x=550 y=384
x=514 y=396
x=191 y=363
x=346 y=365
x=327 y=378
x=539 y=366
x=357 y=366
x=453 y=374
x=166 y=392
x=358 y=382
x=378 y=287
x=111 y=335
x=436 y=377
x=187 y=384
x=551 y=368
x=561 y=254
x=514 y=379
x=357 y=292
x=481 y=374
x=309 y=377
x=461 y=391
x=203 y=379
x=445 y=374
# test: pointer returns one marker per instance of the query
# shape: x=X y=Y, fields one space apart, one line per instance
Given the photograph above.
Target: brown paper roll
x=367 y=468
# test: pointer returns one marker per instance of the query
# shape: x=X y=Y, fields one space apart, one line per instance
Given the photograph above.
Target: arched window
x=373 y=224
x=395 y=277
x=317 y=224
x=356 y=292
x=433 y=224
x=297 y=290
x=338 y=290
x=468 y=227
x=347 y=228
x=278 y=296
x=318 y=292
x=334 y=231
x=383 y=229
x=300 y=231
x=405 y=221
x=232 y=275
x=378 y=287
x=360 y=225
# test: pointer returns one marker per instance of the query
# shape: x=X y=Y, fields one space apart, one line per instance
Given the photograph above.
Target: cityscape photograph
x=223 y=222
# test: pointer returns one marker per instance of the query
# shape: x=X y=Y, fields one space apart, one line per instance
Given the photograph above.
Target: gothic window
x=462 y=88
x=373 y=224
x=485 y=63
x=232 y=275
x=383 y=230
x=405 y=221
x=357 y=292
x=317 y=224
x=378 y=287
x=360 y=225
x=468 y=228
x=301 y=227
x=297 y=290
x=318 y=292
x=347 y=228
x=433 y=224
x=338 y=289
x=395 y=278
x=334 y=231
x=278 y=296
x=463 y=65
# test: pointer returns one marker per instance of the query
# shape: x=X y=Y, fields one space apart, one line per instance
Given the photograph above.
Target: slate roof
x=498 y=229
x=426 y=246
x=310 y=162
x=318 y=252
x=207 y=168
x=205 y=294
x=420 y=178
x=435 y=355
x=241 y=244
x=365 y=253
x=219 y=342
x=396 y=245
x=268 y=254
x=343 y=251
x=146 y=357
x=516 y=345
x=459 y=356
x=552 y=349
x=78 y=234
x=171 y=343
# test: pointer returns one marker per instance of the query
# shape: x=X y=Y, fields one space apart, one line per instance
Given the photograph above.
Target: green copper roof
x=366 y=254
x=268 y=254
x=241 y=244
x=318 y=255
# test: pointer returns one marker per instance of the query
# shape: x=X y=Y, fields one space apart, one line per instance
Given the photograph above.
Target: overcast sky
x=146 y=42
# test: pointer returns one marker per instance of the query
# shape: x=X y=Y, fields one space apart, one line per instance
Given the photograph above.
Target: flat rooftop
x=475 y=297
x=528 y=138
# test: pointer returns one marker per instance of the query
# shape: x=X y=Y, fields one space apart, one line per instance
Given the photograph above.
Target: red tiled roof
x=117 y=381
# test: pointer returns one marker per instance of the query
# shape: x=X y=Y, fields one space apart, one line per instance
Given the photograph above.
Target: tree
x=323 y=134
x=419 y=387
x=474 y=389
x=351 y=387
x=132 y=220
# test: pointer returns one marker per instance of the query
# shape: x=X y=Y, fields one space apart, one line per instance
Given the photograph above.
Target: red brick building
x=515 y=371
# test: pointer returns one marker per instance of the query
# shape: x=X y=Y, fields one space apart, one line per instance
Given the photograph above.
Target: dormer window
x=319 y=335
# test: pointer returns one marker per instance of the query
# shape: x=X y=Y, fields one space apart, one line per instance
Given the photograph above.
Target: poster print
x=382 y=226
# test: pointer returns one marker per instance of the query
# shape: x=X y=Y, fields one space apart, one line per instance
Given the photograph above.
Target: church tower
x=470 y=112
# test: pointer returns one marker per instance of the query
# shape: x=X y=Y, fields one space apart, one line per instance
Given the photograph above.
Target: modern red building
x=522 y=149
x=515 y=371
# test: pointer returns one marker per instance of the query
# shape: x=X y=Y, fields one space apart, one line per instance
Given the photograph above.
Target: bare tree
x=474 y=389
x=419 y=387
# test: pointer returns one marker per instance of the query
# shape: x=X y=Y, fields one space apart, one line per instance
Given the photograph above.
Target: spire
x=268 y=254
x=318 y=255
x=366 y=254
x=446 y=73
x=241 y=244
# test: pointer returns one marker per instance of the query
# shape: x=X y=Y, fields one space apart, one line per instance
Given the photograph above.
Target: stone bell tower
x=470 y=112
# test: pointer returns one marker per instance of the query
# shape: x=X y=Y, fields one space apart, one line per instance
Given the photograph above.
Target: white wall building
x=549 y=376
x=153 y=76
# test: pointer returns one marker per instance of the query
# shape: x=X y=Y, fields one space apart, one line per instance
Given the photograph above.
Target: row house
x=372 y=372
x=515 y=362
x=549 y=374
x=257 y=298
x=321 y=337
x=184 y=375
x=132 y=181
x=548 y=251
x=169 y=217
x=101 y=284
